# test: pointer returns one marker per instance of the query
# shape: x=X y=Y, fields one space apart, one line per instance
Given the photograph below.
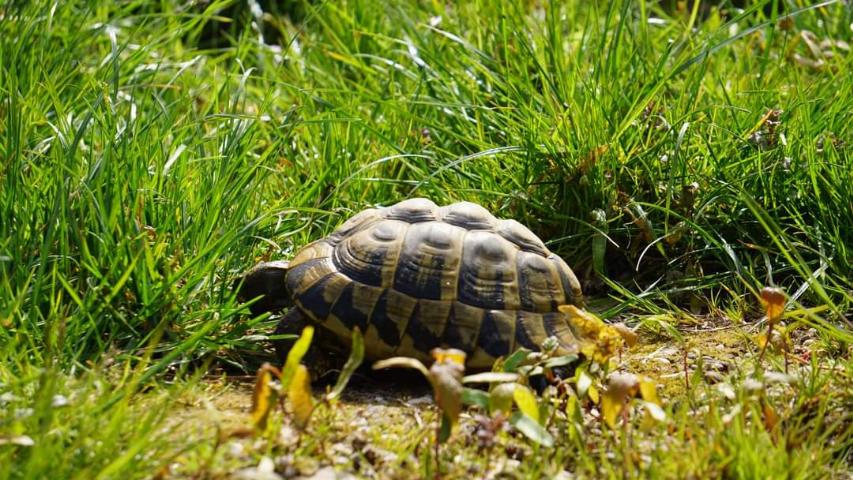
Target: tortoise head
x=265 y=280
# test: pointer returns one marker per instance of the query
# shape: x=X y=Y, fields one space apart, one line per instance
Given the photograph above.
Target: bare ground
x=383 y=428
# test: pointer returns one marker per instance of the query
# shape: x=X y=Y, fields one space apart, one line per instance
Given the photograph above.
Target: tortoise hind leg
x=321 y=358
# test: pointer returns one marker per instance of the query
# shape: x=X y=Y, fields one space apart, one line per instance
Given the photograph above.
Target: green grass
x=151 y=151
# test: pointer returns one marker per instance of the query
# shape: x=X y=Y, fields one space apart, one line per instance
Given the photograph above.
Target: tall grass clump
x=149 y=155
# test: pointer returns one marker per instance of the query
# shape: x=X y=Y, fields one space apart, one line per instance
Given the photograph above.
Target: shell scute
x=308 y=273
x=487 y=275
x=468 y=215
x=359 y=221
x=345 y=309
x=425 y=327
x=413 y=210
x=370 y=255
x=521 y=236
x=463 y=327
x=428 y=265
x=570 y=283
x=497 y=334
x=319 y=297
x=391 y=315
x=318 y=249
x=556 y=325
x=529 y=330
x=539 y=284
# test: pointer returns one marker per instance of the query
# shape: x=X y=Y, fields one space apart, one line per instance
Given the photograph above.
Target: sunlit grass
x=151 y=151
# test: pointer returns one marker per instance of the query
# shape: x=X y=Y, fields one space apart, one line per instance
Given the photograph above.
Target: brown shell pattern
x=415 y=276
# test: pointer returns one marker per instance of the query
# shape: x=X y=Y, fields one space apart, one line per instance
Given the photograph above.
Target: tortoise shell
x=415 y=276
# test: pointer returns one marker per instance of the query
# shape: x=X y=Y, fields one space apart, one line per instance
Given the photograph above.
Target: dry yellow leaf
x=263 y=396
x=446 y=379
x=402 y=362
x=773 y=299
x=591 y=158
x=441 y=355
x=620 y=388
x=648 y=390
x=294 y=356
x=628 y=334
x=611 y=407
x=592 y=392
x=299 y=395
x=599 y=341
x=771 y=418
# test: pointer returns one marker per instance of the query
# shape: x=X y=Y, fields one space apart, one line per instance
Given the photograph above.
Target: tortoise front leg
x=322 y=358
x=290 y=324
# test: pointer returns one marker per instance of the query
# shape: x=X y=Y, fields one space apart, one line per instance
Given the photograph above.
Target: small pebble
x=726 y=390
x=329 y=473
x=713 y=377
x=264 y=471
x=563 y=475
x=751 y=385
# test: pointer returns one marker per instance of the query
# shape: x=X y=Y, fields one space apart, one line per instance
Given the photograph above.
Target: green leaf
x=583 y=382
x=474 y=397
x=531 y=370
x=294 y=356
x=531 y=429
x=445 y=429
x=573 y=411
x=526 y=401
x=561 y=361
x=599 y=240
x=500 y=398
x=356 y=355
x=513 y=361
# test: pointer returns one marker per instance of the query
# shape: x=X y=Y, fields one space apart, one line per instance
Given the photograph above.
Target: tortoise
x=414 y=276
